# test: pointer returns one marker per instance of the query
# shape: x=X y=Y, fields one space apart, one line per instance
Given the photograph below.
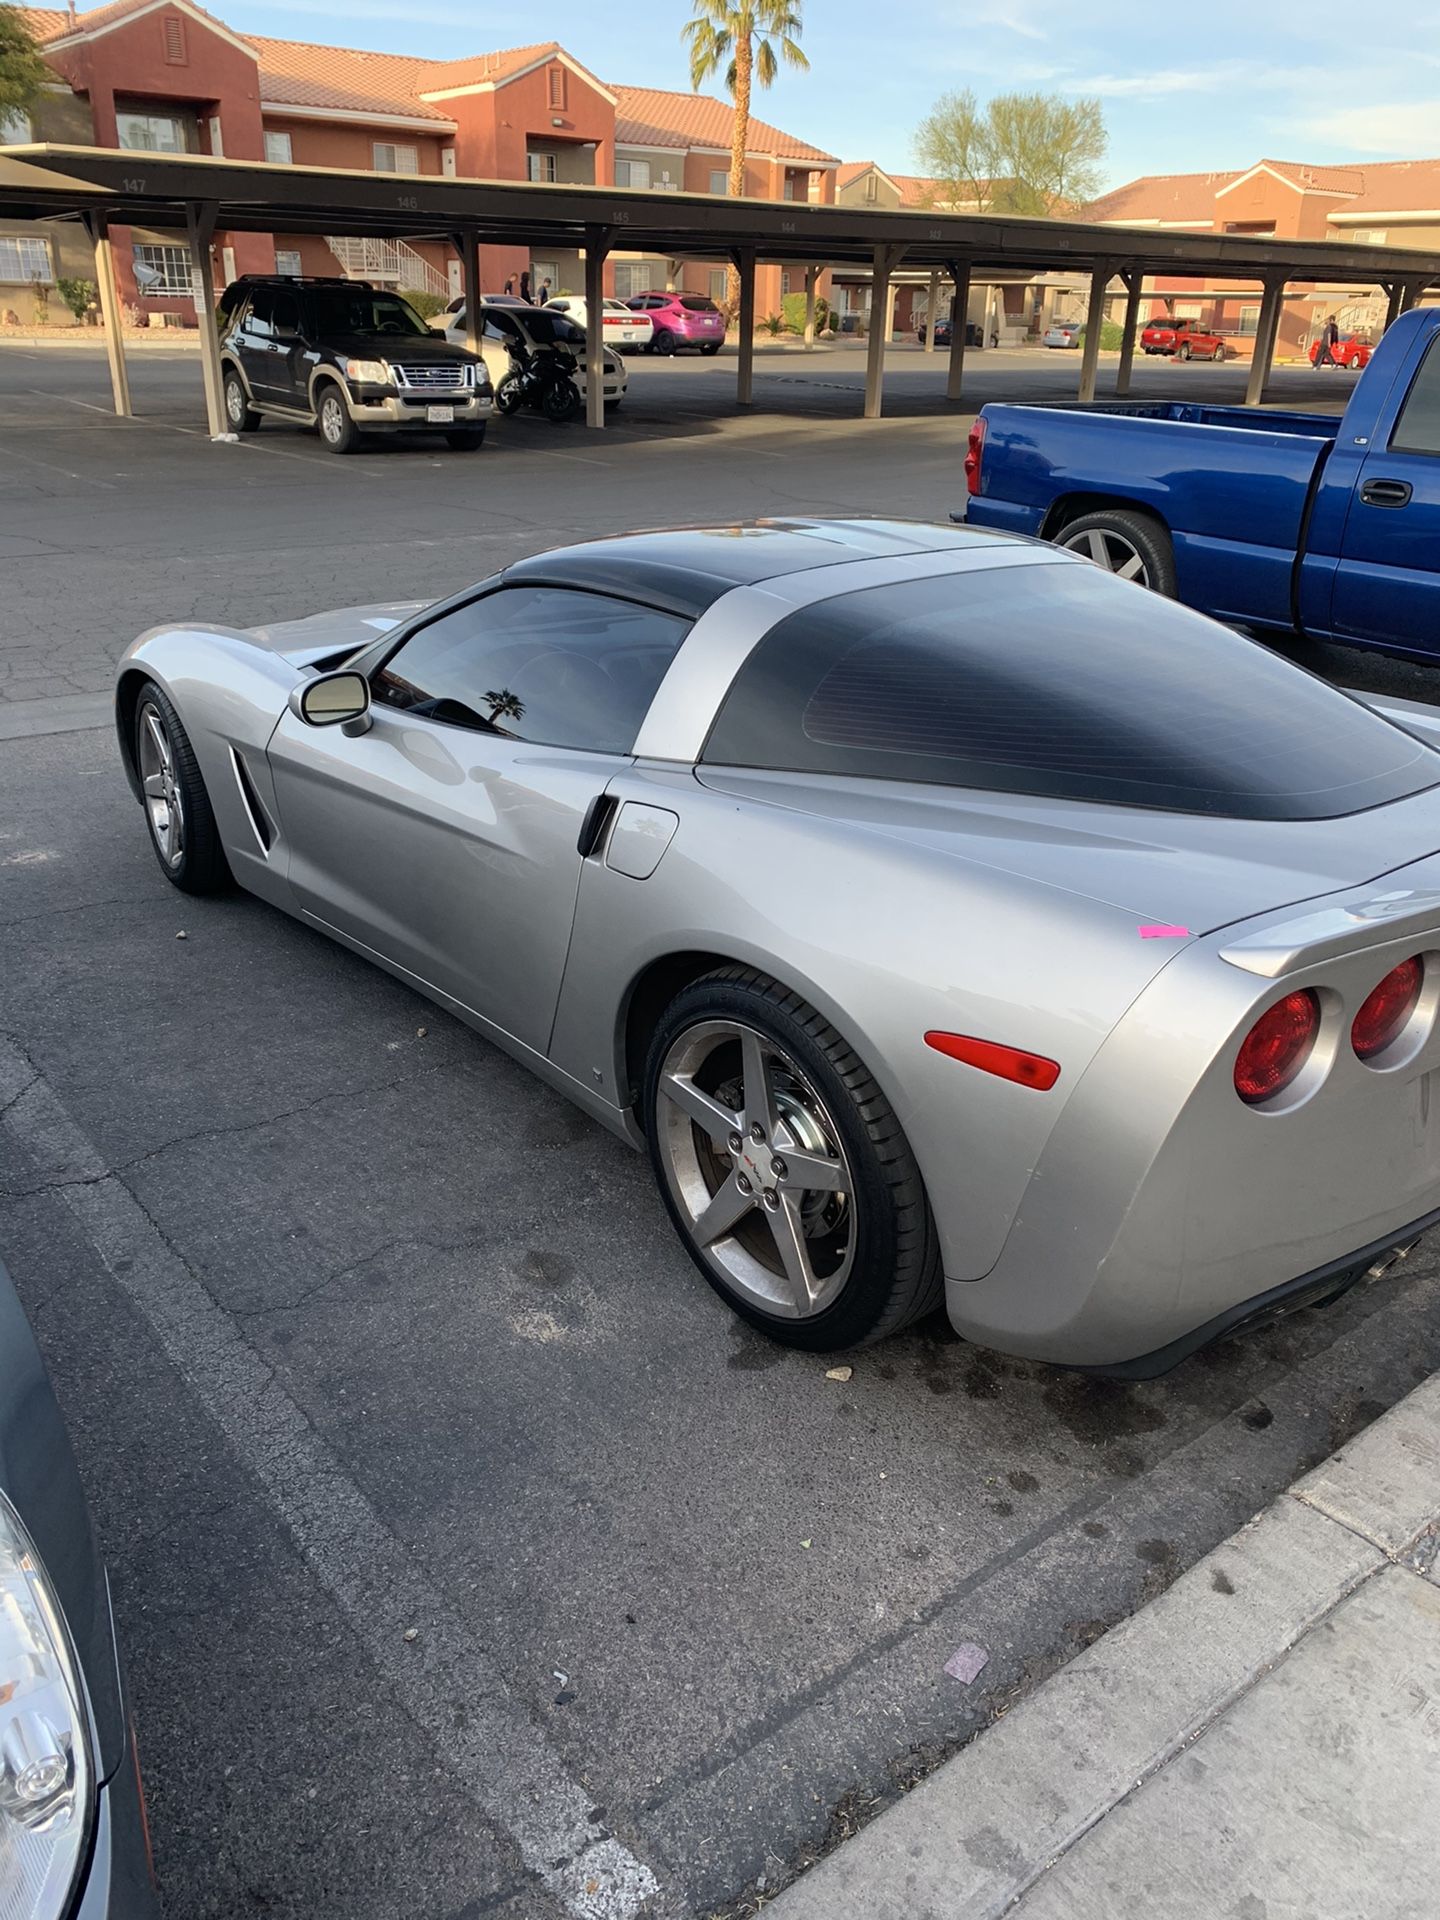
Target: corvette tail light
x=1277 y=1046
x=974 y=456
x=1387 y=1009
x=1009 y=1063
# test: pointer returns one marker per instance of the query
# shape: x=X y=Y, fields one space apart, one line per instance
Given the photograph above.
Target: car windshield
x=361 y=310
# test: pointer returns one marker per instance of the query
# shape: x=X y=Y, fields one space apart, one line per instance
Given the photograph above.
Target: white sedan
x=625 y=329
x=506 y=320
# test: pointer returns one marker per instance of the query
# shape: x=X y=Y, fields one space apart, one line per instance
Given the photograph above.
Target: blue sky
x=1185 y=87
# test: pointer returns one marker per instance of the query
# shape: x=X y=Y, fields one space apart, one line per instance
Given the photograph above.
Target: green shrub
x=773 y=323
x=1110 y=335
x=427 y=305
x=78 y=295
x=832 y=321
x=793 y=307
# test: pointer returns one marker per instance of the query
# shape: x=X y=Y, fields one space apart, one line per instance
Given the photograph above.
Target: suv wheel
x=664 y=341
x=240 y=416
x=338 y=431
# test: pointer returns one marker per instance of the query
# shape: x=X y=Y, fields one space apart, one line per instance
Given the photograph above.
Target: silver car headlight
x=47 y=1776
x=374 y=372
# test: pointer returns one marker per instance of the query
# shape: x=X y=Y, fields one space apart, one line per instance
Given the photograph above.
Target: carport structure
x=200 y=196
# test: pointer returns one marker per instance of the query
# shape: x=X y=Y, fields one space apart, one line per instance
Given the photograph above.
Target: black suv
x=347 y=358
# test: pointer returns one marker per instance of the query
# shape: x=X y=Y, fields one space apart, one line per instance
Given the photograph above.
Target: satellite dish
x=147 y=276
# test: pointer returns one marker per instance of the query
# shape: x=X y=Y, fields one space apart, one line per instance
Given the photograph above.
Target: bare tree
x=1025 y=153
x=740 y=39
x=22 y=71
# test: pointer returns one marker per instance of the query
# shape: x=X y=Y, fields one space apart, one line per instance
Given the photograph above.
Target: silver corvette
x=945 y=917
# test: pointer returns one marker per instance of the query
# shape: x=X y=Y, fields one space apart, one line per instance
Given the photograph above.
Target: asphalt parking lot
x=469 y=1557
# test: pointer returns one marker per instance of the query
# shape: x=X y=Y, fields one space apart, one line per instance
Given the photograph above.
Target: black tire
x=201 y=866
x=561 y=402
x=240 y=416
x=509 y=395
x=1182 y=352
x=1219 y=353
x=334 y=420
x=465 y=439
x=895 y=1275
x=1148 y=537
x=663 y=343
x=710 y=349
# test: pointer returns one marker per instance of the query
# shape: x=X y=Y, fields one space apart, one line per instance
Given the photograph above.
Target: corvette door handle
x=1386 y=493
x=598 y=816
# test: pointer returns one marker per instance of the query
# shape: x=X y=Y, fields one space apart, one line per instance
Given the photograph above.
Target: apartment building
x=1395 y=203
x=165 y=76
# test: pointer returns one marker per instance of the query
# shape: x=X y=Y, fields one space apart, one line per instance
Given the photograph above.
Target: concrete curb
x=975 y=1836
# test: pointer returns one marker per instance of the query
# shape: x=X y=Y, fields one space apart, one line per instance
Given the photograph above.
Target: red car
x=1349 y=351
x=1186 y=339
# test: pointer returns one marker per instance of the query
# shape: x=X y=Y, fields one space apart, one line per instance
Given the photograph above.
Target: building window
x=784 y=281
x=633 y=277
x=162 y=272
x=217 y=138
x=789 y=188
x=542 y=166
x=277 y=149
x=719 y=283
x=1365 y=236
x=872 y=186
x=287 y=262
x=556 y=78
x=1249 y=321
x=720 y=180
x=151 y=132
x=15 y=129
x=632 y=173
x=174 y=40
x=389 y=159
x=24 y=258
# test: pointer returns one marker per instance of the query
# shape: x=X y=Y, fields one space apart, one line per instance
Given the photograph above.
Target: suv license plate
x=439 y=416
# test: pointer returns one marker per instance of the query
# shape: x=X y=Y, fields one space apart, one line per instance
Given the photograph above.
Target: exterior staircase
x=388 y=262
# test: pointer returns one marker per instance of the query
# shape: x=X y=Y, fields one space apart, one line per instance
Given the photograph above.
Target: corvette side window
x=544 y=664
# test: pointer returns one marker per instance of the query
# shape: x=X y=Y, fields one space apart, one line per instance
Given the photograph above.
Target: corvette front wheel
x=177 y=808
x=784 y=1168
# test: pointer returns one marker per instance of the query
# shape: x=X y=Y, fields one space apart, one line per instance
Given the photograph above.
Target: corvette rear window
x=1058 y=680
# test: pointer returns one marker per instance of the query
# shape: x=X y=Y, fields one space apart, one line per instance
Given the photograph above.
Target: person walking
x=525 y=288
x=509 y=286
x=544 y=293
x=1328 y=341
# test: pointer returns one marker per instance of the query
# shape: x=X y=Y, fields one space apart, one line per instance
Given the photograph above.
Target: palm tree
x=503 y=705
x=740 y=38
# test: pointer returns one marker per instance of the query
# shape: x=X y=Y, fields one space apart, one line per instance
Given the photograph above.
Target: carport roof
x=154 y=190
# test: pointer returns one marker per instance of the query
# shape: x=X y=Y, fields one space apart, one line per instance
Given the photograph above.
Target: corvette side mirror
x=334 y=700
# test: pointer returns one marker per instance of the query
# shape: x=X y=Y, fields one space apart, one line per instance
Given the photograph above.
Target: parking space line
x=86 y=479
x=442 y=1677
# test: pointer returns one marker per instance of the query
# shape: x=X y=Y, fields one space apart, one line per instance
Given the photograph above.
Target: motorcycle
x=542 y=378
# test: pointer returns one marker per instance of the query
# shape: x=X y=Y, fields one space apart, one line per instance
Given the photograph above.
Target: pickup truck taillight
x=974 y=455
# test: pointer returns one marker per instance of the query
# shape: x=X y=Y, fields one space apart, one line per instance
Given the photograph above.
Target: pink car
x=681 y=320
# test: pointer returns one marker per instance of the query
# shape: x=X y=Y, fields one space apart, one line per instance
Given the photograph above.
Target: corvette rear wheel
x=784 y=1169
x=177 y=808
x=1125 y=543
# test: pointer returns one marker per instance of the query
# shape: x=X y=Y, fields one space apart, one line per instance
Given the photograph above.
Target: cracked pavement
x=465 y=1301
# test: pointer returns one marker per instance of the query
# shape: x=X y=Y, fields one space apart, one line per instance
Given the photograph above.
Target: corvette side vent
x=260 y=822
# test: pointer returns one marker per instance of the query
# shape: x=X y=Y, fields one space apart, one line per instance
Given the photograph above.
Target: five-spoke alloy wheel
x=783 y=1167
x=182 y=824
x=1133 y=545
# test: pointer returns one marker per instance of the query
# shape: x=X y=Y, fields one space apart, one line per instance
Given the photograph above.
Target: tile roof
x=1322 y=179
x=853 y=170
x=1400 y=186
x=45 y=23
x=296 y=73
x=479 y=67
x=915 y=190
x=1163 y=196
x=651 y=117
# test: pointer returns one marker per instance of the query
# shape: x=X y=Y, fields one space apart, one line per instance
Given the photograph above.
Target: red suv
x=1186 y=339
x=681 y=320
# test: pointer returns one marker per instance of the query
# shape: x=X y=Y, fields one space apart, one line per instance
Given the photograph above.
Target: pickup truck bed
x=1275 y=520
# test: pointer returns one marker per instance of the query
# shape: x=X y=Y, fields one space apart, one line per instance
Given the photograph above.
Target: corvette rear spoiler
x=1284 y=945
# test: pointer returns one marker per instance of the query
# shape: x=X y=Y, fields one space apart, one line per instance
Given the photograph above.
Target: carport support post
x=1134 y=280
x=200 y=231
x=812 y=274
x=1094 y=320
x=98 y=229
x=1265 y=336
x=959 y=321
x=886 y=261
x=932 y=310
x=597 y=245
x=467 y=245
x=745 y=372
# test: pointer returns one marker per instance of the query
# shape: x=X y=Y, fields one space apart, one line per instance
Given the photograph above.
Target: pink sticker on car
x=1164 y=933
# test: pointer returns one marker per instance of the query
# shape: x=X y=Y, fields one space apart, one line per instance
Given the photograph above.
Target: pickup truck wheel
x=1182 y=352
x=1127 y=544
x=1219 y=353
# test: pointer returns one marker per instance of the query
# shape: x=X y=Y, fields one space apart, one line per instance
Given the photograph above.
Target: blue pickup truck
x=1291 y=521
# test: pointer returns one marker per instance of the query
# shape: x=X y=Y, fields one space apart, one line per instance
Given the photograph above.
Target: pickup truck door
x=1387 y=586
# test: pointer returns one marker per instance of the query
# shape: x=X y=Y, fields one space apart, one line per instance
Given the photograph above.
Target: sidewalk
x=1260 y=1743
